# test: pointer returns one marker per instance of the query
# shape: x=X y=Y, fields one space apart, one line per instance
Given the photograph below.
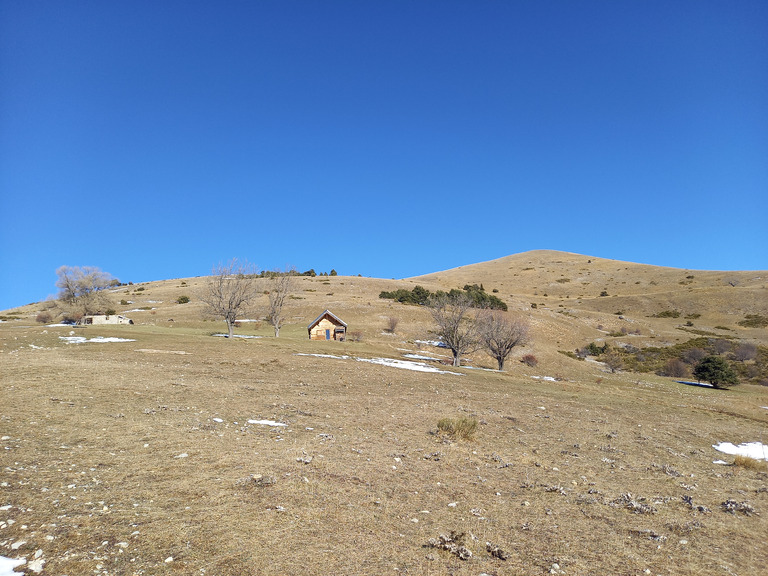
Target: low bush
x=183 y=299
x=753 y=321
x=124 y=302
x=529 y=360
x=44 y=318
x=110 y=312
x=667 y=314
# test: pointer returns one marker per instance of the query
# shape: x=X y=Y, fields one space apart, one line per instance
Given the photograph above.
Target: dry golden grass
x=139 y=457
x=750 y=463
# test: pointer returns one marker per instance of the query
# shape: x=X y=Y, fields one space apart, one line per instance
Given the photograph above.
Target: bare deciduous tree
x=613 y=360
x=745 y=351
x=456 y=325
x=501 y=333
x=281 y=285
x=392 y=323
x=230 y=291
x=81 y=288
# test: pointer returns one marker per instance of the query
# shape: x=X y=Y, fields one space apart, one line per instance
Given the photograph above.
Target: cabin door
x=328 y=334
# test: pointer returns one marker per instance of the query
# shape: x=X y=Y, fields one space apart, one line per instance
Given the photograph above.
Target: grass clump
x=750 y=463
x=463 y=428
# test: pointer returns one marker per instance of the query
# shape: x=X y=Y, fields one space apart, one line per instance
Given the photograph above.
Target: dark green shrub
x=123 y=302
x=753 y=321
x=667 y=314
x=111 y=312
x=182 y=299
x=716 y=371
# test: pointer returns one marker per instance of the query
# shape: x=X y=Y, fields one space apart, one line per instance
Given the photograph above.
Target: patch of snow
x=406 y=365
x=719 y=462
x=324 y=356
x=689 y=383
x=8 y=564
x=36 y=347
x=219 y=420
x=236 y=336
x=182 y=455
x=247 y=320
x=764 y=407
x=756 y=450
x=419 y=357
x=154 y=301
x=391 y=362
x=547 y=378
x=62 y=325
x=266 y=422
x=97 y=339
x=137 y=310
x=438 y=343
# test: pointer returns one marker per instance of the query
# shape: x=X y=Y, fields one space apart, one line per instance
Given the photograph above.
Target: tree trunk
x=277 y=331
x=500 y=360
x=230 y=328
x=456 y=359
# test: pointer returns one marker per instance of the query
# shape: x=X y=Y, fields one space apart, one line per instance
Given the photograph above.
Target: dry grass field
x=161 y=454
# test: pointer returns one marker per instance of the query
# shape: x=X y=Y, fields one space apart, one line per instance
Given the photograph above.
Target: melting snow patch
x=419 y=357
x=236 y=336
x=7 y=565
x=324 y=356
x=138 y=310
x=98 y=339
x=438 y=343
x=391 y=362
x=62 y=325
x=719 y=462
x=266 y=422
x=547 y=378
x=756 y=450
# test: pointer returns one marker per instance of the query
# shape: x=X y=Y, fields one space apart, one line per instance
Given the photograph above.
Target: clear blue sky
x=389 y=139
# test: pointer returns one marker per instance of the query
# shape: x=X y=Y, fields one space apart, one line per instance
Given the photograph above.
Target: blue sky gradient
x=388 y=139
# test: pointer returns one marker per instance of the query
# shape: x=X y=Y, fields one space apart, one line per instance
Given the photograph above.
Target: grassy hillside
x=149 y=455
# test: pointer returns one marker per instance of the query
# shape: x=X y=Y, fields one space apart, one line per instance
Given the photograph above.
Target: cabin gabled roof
x=316 y=321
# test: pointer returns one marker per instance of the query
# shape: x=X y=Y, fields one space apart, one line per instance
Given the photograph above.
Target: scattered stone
x=260 y=480
x=688 y=500
x=637 y=506
x=650 y=534
x=453 y=544
x=304 y=459
x=555 y=488
x=732 y=506
x=495 y=551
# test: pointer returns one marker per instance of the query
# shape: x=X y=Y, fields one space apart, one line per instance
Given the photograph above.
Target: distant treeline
x=311 y=273
x=420 y=296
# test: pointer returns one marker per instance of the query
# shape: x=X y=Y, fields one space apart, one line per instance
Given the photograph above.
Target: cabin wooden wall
x=318 y=331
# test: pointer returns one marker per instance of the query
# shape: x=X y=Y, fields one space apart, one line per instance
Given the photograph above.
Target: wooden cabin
x=327 y=326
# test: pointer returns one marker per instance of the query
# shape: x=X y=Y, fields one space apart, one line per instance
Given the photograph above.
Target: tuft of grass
x=750 y=463
x=463 y=428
